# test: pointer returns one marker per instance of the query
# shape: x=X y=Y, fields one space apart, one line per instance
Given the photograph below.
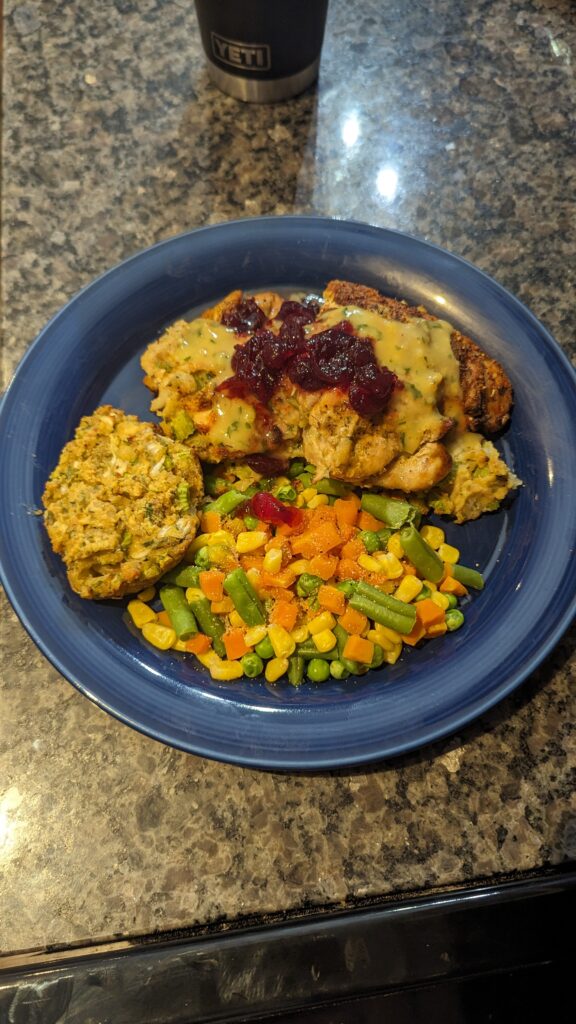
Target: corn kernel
x=299 y=566
x=158 y=635
x=433 y=536
x=194 y=594
x=237 y=621
x=273 y=560
x=308 y=493
x=223 y=607
x=323 y=621
x=220 y=669
x=318 y=501
x=408 y=589
x=281 y=641
x=391 y=657
x=250 y=540
x=254 y=577
x=389 y=564
x=369 y=563
x=140 y=613
x=203 y=539
x=253 y=635
x=147 y=595
x=430 y=585
x=448 y=553
x=179 y=645
x=381 y=639
x=394 y=545
x=437 y=629
x=275 y=668
x=300 y=501
x=325 y=640
x=300 y=634
x=440 y=599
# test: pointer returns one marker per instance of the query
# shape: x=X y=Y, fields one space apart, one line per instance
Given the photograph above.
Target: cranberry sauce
x=334 y=358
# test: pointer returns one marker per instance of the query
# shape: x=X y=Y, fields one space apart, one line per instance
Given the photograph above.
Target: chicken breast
x=120 y=506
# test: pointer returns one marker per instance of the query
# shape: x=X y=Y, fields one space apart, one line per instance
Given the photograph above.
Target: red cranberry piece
x=333 y=352
x=304 y=314
x=278 y=349
x=267 y=465
x=371 y=390
x=270 y=510
x=304 y=372
x=245 y=317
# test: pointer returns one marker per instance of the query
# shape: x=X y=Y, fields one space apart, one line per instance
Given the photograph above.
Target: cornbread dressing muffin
x=120 y=506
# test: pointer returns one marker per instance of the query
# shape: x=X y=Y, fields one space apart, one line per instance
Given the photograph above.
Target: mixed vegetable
x=291 y=578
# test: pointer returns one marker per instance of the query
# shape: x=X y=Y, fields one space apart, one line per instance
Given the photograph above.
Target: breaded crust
x=487 y=395
x=120 y=506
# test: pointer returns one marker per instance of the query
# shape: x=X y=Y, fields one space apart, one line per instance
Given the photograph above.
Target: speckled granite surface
x=448 y=120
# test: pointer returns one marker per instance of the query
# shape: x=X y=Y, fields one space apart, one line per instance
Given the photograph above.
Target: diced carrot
x=252 y=561
x=332 y=599
x=353 y=549
x=428 y=612
x=323 y=566
x=233 y=640
x=285 y=578
x=452 y=586
x=211 y=584
x=198 y=644
x=163 y=618
x=223 y=607
x=437 y=629
x=284 y=613
x=409 y=569
x=353 y=621
x=346 y=511
x=416 y=633
x=317 y=540
x=366 y=521
x=358 y=649
x=348 y=569
x=210 y=522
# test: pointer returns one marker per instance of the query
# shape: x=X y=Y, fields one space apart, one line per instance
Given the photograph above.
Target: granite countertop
x=448 y=120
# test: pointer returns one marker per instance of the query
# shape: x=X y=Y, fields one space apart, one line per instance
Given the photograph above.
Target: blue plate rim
x=314 y=763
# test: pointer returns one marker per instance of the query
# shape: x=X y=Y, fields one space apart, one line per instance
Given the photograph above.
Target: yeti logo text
x=250 y=56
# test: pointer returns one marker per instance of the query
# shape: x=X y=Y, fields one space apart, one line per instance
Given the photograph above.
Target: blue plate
x=89 y=354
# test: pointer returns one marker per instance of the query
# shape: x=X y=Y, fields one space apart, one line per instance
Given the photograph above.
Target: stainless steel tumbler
x=262 y=51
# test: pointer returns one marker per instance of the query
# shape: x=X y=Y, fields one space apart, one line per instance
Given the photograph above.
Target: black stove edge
x=388 y=962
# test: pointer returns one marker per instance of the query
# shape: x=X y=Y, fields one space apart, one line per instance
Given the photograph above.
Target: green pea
x=384 y=536
x=250 y=522
x=370 y=540
x=452 y=600
x=377 y=657
x=347 y=587
x=202 y=558
x=318 y=670
x=425 y=592
x=264 y=648
x=252 y=665
x=454 y=619
x=296 y=467
x=308 y=585
x=338 y=670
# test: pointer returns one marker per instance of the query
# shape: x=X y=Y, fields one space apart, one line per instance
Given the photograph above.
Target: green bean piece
x=467 y=577
x=354 y=667
x=377 y=657
x=370 y=540
x=384 y=536
x=454 y=619
x=385 y=616
x=347 y=587
x=341 y=638
x=286 y=493
x=264 y=649
x=338 y=670
x=318 y=670
x=244 y=597
x=379 y=597
x=181 y=617
x=214 y=485
x=295 y=670
x=424 y=593
x=209 y=623
x=309 y=650
x=183 y=576
x=202 y=557
x=251 y=522
x=305 y=479
x=333 y=487
x=296 y=467
x=308 y=585
x=423 y=557
x=392 y=511
x=227 y=502
x=252 y=665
